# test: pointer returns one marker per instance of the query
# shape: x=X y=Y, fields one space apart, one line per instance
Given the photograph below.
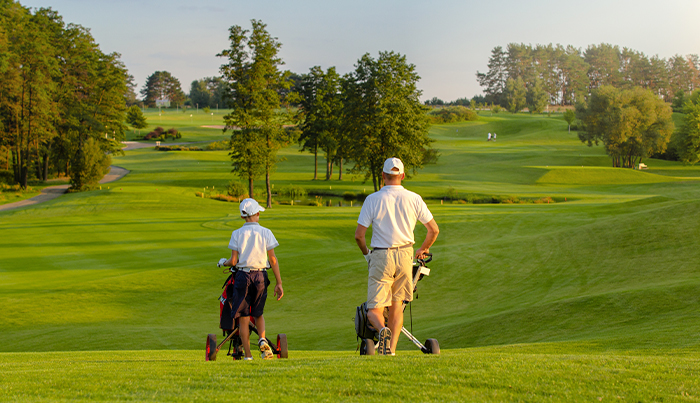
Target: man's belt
x=249 y=269
x=395 y=247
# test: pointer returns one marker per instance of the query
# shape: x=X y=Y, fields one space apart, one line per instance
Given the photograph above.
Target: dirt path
x=52 y=192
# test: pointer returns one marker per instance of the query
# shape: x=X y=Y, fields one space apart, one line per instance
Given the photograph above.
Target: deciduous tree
x=631 y=124
x=253 y=82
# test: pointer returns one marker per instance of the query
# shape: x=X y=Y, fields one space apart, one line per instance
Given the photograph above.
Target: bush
x=6 y=176
x=293 y=191
x=362 y=196
x=219 y=145
x=236 y=189
x=349 y=196
x=452 y=114
x=177 y=148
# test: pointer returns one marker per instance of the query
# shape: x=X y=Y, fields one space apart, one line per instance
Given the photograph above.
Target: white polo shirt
x=393 y=212
x=252 y=241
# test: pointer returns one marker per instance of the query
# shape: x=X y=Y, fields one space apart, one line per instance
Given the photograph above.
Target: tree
x=253 y=84
x=135 y=118
x=320 y=112
x=494 y=81
x=536 y=98
x=632 y=124
x=515 y=95
x=383 y=115
x=161 y=85
x=690 y=130
x=569 y=117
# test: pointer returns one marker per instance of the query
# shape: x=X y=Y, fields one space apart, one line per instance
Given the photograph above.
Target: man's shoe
x=383 y=347
x=265 y=350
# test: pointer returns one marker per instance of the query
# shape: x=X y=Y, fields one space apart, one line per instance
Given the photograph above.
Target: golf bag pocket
x=362 y=323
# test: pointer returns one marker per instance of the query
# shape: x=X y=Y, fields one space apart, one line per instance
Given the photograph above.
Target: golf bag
x=225 y=319
x=363 y=328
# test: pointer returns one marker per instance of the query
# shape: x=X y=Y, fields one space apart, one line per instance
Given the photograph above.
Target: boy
x=252 y=253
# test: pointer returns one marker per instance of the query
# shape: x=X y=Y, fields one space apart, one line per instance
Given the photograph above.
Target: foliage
x=536 y=98
x=161 y=85
x=236 y=189
x=568 y=74
x=569 y=116
x=451 y=114
x=135 y=118
x=292 y=191
x=632 y=124
x=320 y=113
x=383 y=115
x=690 y=130
x=219 y=145
x=252 y=81
x=88 y=165
x=58 y=90
x=515 y=95
x=207 y=93
x=177 y=148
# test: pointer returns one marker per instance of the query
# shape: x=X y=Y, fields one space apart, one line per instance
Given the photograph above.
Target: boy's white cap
x=250 y=207
x=393 y=163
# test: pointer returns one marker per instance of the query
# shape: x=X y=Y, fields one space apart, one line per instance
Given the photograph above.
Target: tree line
x=360 y=118
x=559 y=75
x=62 y=100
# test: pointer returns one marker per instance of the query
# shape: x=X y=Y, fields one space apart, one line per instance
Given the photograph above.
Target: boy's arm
x=274 y=265
x=233 y=260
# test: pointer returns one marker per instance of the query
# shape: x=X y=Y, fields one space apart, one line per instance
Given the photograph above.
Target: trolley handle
x=423 y=261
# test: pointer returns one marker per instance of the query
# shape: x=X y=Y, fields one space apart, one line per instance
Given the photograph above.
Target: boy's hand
x=279 y=292
x=221 y=262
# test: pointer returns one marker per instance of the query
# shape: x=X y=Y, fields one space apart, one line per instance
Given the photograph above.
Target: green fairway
x=597 y=282
x=485 y=375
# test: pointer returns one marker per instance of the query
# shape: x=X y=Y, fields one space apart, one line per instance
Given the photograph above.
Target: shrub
x=172 y=132
x=362 y=196
x=349 y=196
x=158 y=130
x=452 y=114
x=236 y=189
x=219 y=145
x=206 y=110
x=292 y=191
x=6 y=176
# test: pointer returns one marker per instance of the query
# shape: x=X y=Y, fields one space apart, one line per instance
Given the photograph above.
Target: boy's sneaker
x=383 y=347
x=265 y=350
x=247 y=358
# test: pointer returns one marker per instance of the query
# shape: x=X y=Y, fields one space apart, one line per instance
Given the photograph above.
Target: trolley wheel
x=367 y=347
x=282 y=346
x=432 y=346
x=211 y=348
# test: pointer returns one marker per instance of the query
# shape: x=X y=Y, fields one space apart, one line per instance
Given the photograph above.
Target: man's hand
x=420 y=253
x=368 y=255
x=221 y=262
x=279 y=292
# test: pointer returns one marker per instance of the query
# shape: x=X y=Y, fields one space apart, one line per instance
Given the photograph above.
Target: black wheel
x=367 y=347
x=211 y=347
x=432 y=346
x=282 y=346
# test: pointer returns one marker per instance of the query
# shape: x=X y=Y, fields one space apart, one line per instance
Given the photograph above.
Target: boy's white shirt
x=252 y=241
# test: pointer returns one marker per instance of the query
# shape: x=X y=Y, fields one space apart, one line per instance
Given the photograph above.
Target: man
x=392 y=212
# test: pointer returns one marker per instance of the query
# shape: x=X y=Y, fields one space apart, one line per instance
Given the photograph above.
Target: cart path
x=52 y=192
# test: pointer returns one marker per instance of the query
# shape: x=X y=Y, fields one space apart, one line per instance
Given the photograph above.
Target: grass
x=511 y=373
x=597 y=292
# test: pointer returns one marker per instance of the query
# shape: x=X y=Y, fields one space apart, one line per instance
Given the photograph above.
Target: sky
x=447 y=40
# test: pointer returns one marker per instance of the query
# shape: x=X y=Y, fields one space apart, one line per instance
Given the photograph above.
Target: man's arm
x=274 y=265
x=430 y=238
x=360 y=239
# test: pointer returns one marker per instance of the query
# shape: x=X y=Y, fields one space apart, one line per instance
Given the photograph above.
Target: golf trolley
x=369 y=336
x=231 y=331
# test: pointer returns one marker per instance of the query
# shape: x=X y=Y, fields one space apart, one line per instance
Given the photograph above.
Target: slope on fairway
x=132 y=266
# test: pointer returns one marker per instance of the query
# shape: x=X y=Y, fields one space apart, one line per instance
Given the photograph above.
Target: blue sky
x=447 y=40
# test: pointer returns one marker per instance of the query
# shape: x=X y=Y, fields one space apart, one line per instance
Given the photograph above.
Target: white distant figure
x=494 y=137
x=489 y=139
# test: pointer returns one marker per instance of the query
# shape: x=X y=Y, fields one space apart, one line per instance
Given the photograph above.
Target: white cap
x=393 y=163
x=250 y=207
